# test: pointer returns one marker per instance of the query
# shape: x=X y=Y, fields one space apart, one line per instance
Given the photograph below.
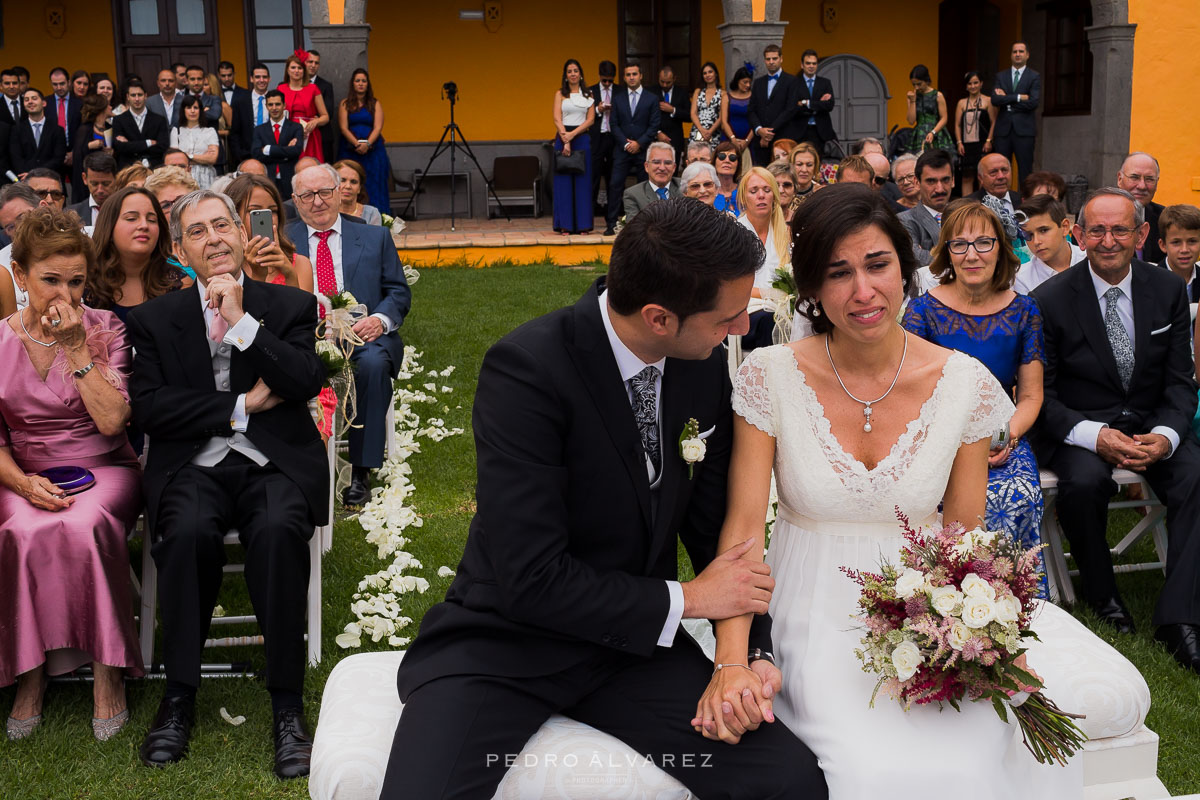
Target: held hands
x=737 y=700
x=261 y=398
x=225 y=295
x=729 y=586
x=309 y=126
x=361 y=148
x=1132 y=453
x=43 y=494
x=369 y=328
x=566 y=148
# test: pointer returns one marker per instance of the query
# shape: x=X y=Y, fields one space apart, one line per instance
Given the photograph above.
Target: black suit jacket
x=241 y=126
x=565 y=559
x=671 y=125
x=1081 y=380
x=642 y=127
x=1014 y=116
x=6 y=110
x=154 y=128
x=74 y=109
x=1150 y=250
x=5 y=160
x=330 y=135
x=816 y=108
x=777 y=112
x=25 y=152
x=84 y=210
x=176 y=403
x=282 y=156
x=598 y=96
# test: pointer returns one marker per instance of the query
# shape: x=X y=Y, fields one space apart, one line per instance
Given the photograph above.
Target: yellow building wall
x=231 y=44
x=86 y=43
x=1165 y=46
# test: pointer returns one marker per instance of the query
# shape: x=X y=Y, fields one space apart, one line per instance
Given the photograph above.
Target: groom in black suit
x=1119 y=392
x=222 y=376
x=566 y=598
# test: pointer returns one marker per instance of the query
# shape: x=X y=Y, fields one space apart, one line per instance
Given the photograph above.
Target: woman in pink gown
x=64 y=567
x=304 y=104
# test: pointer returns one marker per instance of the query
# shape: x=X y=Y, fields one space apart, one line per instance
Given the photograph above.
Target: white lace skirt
x=881 y=752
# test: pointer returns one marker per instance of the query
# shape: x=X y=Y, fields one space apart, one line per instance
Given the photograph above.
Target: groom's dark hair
x=677 y=253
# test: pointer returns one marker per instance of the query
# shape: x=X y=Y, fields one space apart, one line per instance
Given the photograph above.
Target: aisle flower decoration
x=336 y=341
x=949 y=623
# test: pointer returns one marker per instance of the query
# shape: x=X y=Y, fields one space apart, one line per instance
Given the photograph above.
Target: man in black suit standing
x=1139 y=176
x=674 y=108
x=815 y=103
x=774 y=104
x=222 y=376
x=635 y=122
x=35 y=142
x=331 y=133
x=238 y=100
x=63 y=108
x=995 y=176
x=11 y=110
x=249 y=111
x=1119 y=392
x=1016 y=96
x=601 y=130
x=139 y=135
x=567 y=598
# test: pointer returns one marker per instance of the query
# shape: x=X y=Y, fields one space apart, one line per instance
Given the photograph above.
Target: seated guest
x=89 y=138
x=377 y=282
x=698 y=151
x=252 y=166
x=785 y=179
x=856 y=169
x=806 y=162
x=994 y=172
x=973 y=310
x=277 y=142
x=241 y=452
x=197 y=138
x=48 y=186
x=354 y=192
x=762 y=212
x=169 y=183
x=904 y=175
x=881 y=170
x=728 y=163
x=865 y=145
x=174 y=157
x=16 y=201
x=35 y=141
x=271 y=260
x=699 y=181
x=139 y=135
x=1120 y=393
x=99 y=176
x=1139 y=176
x=133 y=175
x=132 y=252
x=660 y=185
x=1046 y=229
x=1042 y=182
x=1179 y=238
x=782 y=148
x=66 y=599
x=935 y=177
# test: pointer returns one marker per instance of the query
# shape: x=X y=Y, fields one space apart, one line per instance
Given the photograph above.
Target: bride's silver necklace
x=867 y=403
x=21 y=319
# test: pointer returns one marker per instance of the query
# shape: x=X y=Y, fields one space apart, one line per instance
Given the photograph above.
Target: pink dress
x=302 y=106
x=65 y=595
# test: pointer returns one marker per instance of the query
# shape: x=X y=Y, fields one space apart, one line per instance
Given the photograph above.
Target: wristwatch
x=79 y=373
x=758 y=654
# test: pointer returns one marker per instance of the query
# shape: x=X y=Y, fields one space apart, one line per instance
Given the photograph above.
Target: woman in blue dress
x=360 y=116
x=574 y=113
x=974 y=310
x=735 y=112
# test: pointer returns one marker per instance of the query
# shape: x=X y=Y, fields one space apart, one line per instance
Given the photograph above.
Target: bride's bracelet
x=718 y=667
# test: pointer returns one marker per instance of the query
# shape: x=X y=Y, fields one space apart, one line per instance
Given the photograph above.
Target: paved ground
x=430 y=233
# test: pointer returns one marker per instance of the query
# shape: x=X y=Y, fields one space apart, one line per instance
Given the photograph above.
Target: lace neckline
x=977 y=315
x=839 y=456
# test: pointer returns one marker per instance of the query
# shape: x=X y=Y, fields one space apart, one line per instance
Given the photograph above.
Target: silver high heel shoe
x=20 y=728
x=105 y=729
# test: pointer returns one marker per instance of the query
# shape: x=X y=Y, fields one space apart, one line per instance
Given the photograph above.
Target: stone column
x=343 y=47
x=1112 y=98
x=744 y=39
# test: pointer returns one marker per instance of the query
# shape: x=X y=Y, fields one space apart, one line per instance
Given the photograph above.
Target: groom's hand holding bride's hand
x=737 y=700
x=729 y=586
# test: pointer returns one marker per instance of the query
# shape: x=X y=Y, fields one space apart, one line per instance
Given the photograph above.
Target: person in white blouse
x=197 y=140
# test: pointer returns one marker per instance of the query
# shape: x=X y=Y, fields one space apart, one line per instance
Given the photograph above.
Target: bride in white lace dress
x=842 y=467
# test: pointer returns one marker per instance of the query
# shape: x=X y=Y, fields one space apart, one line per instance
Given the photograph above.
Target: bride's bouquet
x=949 y=622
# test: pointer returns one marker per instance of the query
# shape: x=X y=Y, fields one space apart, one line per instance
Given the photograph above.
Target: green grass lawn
x=456 y=315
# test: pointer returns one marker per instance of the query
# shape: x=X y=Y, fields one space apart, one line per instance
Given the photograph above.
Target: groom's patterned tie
x=1118 y=337
x=645 y=415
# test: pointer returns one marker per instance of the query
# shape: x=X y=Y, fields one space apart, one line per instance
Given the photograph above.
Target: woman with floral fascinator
x=304 y=104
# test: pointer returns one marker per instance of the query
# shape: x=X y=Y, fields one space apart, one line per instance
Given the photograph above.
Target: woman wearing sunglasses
x=727 y=160
x=974 y=310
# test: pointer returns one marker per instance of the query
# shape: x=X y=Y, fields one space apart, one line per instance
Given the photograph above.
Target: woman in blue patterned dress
x=974 y=310
x=360 y=117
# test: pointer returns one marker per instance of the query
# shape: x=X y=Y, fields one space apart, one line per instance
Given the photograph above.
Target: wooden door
x=968 y=41
x=153 y=34
x=860 y=98
x=656 y=33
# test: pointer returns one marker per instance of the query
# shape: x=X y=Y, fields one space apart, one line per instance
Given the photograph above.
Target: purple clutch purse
x=72 y=480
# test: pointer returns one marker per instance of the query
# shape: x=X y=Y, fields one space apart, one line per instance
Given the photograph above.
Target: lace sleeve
x=992 y=407
x=752 y=395
x=1032 y=342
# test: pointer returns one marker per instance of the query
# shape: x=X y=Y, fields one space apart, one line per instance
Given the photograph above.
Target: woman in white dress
x=843 y=466
x=198 y=141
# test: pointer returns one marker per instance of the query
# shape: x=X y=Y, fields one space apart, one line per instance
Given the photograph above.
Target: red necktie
x=62 y=113
x=326 y=277
x=277 y=134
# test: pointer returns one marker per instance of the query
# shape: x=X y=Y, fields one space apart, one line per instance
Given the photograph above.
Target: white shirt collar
x=336 y=227
x=138 y=116
x=93 y=205
x=932 y=213
x=1101 y=286
x=628 y=364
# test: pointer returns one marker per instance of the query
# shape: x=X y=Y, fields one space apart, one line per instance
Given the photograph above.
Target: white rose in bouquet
x=909 y=582
x=945 y=599
x=1008 y=608
x=978 y=611
x=975 y=586
x=960 y=634
x=906 y=658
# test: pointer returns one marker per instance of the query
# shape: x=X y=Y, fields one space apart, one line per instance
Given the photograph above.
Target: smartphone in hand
x=261 y=224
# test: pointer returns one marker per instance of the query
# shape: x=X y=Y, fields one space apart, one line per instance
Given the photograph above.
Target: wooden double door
x=153 y=34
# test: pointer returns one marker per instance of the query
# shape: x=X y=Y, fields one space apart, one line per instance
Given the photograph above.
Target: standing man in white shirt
x=166 y=102
x=249 y=111
x=1046 y=226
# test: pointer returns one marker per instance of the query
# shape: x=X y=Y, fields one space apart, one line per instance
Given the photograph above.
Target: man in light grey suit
x=166 y=102
x=924 y=223
x=660 y=167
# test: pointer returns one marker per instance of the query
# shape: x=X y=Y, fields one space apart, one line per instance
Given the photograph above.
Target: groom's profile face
x=704 y=330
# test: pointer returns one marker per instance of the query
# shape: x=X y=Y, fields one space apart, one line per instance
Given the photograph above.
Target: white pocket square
x=708 y=432
x=1163 y=329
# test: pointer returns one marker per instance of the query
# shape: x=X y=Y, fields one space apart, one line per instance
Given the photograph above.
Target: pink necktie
x=218 y=327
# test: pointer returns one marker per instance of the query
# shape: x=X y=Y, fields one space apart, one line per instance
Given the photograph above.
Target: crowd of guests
x=161 y=361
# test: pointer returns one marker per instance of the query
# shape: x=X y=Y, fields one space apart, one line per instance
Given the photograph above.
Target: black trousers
x=809 y=133
x=459 y=734
x=624 y=165
x=373 y=371
x=602 y=163
x=761 y=156
x=269 y=511
x=1022 y=147
x=1085 y=485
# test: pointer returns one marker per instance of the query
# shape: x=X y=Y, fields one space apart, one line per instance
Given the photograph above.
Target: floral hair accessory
x=750 y=67
x=301 y=54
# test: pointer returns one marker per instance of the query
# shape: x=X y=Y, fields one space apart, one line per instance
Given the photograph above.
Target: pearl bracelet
x=719 y=667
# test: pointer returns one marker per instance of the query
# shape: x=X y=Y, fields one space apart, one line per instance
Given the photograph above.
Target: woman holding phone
x=270 y=255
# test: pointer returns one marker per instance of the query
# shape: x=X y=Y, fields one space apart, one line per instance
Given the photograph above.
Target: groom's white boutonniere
x=691 y=444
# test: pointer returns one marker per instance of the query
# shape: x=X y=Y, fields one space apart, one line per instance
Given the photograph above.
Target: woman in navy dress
x=574 y=113
x=974 y=310
x=360 y=117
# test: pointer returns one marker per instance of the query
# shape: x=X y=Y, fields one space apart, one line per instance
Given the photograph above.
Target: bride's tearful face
x=863 y=289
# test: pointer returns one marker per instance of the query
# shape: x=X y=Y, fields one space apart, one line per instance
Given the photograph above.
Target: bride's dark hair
x=827 y=217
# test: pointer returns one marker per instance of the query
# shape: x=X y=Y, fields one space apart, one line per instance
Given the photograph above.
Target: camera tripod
x=455 y=141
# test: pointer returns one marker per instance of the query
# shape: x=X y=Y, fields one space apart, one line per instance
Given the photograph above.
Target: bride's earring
x=815 y=305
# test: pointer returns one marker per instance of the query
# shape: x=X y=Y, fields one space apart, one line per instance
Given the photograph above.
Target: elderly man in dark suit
x=222 y=377
x=635 y=122
x=815 y=101
x=1120 y=392
x=774 y=104
x=1016 y=96
x=660 y=167
x=362 y=260
x=35 y=141
x=1139 y=176
x=567 y=598
x=935 y=174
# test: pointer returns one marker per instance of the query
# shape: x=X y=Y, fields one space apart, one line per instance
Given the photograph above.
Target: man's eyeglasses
x=983 y=244
x=325 y=194
x=1119 y=232
x=727 y=156
x=221 y=227
x=907 y=178
x=53 y=194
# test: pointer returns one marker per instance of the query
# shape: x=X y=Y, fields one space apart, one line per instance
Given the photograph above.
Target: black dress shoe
x=1183 y=640
x=358 y=493
x=167 y=740
x=609 y=231
x=1113 y=612
x=293 y=745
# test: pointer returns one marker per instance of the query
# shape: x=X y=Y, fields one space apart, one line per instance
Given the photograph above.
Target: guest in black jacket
x=139 y=134
x=35 y=142
x=774 y=105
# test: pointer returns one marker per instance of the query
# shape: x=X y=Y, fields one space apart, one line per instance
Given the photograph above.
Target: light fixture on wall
x=829 y=15
x=471 y=14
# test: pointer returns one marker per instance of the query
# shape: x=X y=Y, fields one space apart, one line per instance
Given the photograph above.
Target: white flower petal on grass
x=445 y=572
x=218 y=611
x=238 y=720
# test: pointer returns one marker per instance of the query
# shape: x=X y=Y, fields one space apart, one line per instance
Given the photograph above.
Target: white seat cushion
x=565 y=758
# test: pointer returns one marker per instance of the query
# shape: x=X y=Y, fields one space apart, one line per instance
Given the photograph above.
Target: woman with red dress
x=304 y=104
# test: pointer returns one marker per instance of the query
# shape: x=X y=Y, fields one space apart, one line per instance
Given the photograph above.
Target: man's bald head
x=882 y=167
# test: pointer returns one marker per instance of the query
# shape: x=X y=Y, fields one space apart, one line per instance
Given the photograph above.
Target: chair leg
x=149 y=600
x=314 y=599
x=1061 y=588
